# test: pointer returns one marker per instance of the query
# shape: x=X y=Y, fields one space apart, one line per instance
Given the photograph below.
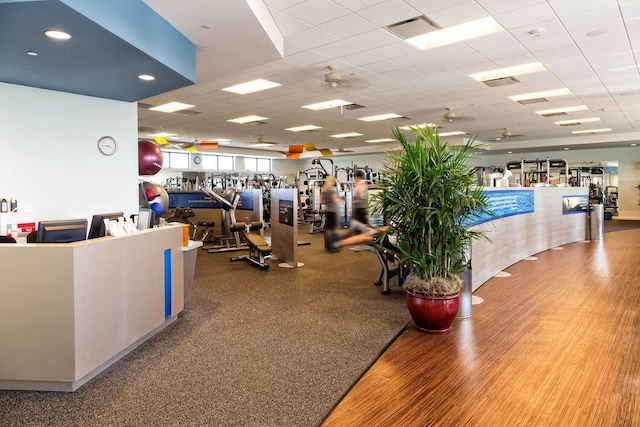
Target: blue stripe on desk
x=167 y=283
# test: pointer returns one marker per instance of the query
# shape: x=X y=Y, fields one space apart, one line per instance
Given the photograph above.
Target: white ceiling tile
x=389 y=12
x=503 y=52
x=458 y=14
x=571 y=7
x=347 y=26
x=288 y=24
x=496 y=7
x=530 y=15
x=492 y=41
x=451 y=51
x=312 y=37
x=356 y=5
x=373 y=39
x=592 y=18
x=339 y=48
x=316 y=12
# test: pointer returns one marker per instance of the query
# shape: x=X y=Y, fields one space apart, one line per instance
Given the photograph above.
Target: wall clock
x=107 y=145
x=197 y=160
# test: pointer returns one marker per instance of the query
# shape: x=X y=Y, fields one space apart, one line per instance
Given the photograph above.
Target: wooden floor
x=555 y=344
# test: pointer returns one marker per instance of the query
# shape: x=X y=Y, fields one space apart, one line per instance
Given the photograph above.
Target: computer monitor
x=62 y=231
x=97 y=228
x=146 y=218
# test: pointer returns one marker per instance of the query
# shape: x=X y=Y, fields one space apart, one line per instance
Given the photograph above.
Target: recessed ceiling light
x=421 y=126
x=58 y=35
x=171 y=107
x=633 y=144
x=455 y=133
x=457 y=33
x=596 y=33
x=163 y=135
x=543 y=94
x=379 y=117
x=32 y=53
x=346 y=135
x=578 y=132
x=566 y=148
x=327 y=104
x=577 y=121
x=374 y=141
x=303 y=128
x=252 y=86
x=146 y=77
x=508 y=72
x=562 y=110
x=247 y=119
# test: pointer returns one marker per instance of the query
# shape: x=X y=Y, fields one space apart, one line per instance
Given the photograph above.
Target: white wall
x=50 y=160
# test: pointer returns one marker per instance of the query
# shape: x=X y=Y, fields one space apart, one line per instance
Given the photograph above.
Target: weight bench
x=259 y=249
x=390 y=266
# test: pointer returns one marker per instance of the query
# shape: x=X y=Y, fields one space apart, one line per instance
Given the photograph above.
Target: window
x=225 y=163
x=255 y=164
x=175 y=160
x=209 y=161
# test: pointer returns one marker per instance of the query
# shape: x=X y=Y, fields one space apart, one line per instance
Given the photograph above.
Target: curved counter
x=528 y=221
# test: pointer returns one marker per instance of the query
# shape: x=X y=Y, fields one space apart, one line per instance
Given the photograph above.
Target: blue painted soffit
x=112 y=43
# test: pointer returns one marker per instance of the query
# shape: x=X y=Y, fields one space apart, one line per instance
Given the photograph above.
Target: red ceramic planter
x=433 y=314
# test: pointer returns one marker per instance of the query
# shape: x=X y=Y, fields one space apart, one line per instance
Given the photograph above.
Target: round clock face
x=107 y=145
x=197 y=160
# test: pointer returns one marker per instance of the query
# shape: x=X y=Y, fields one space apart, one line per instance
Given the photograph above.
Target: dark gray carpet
x=253 y=348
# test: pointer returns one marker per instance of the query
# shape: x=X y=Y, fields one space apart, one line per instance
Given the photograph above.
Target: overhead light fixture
x=379 y=117
x=456 y=133
x=146 y=77
x=57 y=35
x=262 y=144
x=163 y=135
x=457 y=33
x=517 y=70
x=247 y=119
x=540 y=95
x=375 y=141
x=421 y=126
x=252 y=86
x=305 y=128
x=577 y=121
x=554 y=111
x=327 y=105
x=579 y=132
x=171 y=107
x=346 y=135
x=32 y=53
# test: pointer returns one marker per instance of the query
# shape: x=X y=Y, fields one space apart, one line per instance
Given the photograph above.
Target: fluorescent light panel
x=544 y=94
x=171 y=107
x=379 y=117
x=508 y=72
x=303 y=128
x=457 y=33
x=569 y=122
x=327 y=104
x=374 y=141
x=163 y=134
x=247 y=119
x=421 y=126
x=578 y=132
x=562 y=110
x=252 y=86
x=346 y=135
x=458 y=132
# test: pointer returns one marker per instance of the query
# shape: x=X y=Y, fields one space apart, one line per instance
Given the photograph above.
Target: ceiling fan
x=450 y=116
x=506 y=134
x=341 y=150
x=263 y=142
x=333 y=79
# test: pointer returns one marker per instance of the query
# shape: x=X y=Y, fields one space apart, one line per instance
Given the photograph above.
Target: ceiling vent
x=353 y=107
x=502 y=81
x=256 y=123
x=532 y=101
x=570 y=124
x=413 y=27
x=559 y=113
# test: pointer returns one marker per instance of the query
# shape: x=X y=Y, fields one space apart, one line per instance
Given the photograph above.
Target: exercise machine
x=230 y=240
x=390 y=266
x=259 y=249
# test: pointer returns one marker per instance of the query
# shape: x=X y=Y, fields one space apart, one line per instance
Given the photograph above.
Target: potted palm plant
x=431 y=196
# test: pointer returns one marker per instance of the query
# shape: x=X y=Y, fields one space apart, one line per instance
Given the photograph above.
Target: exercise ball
x=149 y=158
x=150 y=193
x=156 y=208
x=161 y=195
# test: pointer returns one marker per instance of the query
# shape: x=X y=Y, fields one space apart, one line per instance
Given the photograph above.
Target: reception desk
x=68 y=311
x=528 y=221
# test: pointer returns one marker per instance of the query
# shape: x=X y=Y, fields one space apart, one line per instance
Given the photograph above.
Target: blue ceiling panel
x=95 y=61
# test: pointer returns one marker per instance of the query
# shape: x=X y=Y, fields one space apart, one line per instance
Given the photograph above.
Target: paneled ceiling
x=592 y=48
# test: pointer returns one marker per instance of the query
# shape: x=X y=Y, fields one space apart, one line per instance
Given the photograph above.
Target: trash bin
x=596 y=222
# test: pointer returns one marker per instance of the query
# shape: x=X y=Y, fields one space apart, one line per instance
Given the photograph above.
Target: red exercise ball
x=149 y=158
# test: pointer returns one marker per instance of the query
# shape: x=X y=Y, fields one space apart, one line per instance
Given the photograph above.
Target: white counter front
x=549 y=222
x=68 y=311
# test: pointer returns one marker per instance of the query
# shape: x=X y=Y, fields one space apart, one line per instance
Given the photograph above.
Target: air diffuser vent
x=570 y=124
x=502 y=81
x=560 y=113
x=256 y=123
x=353 y=107
x=413 y=27
x=532 y=101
